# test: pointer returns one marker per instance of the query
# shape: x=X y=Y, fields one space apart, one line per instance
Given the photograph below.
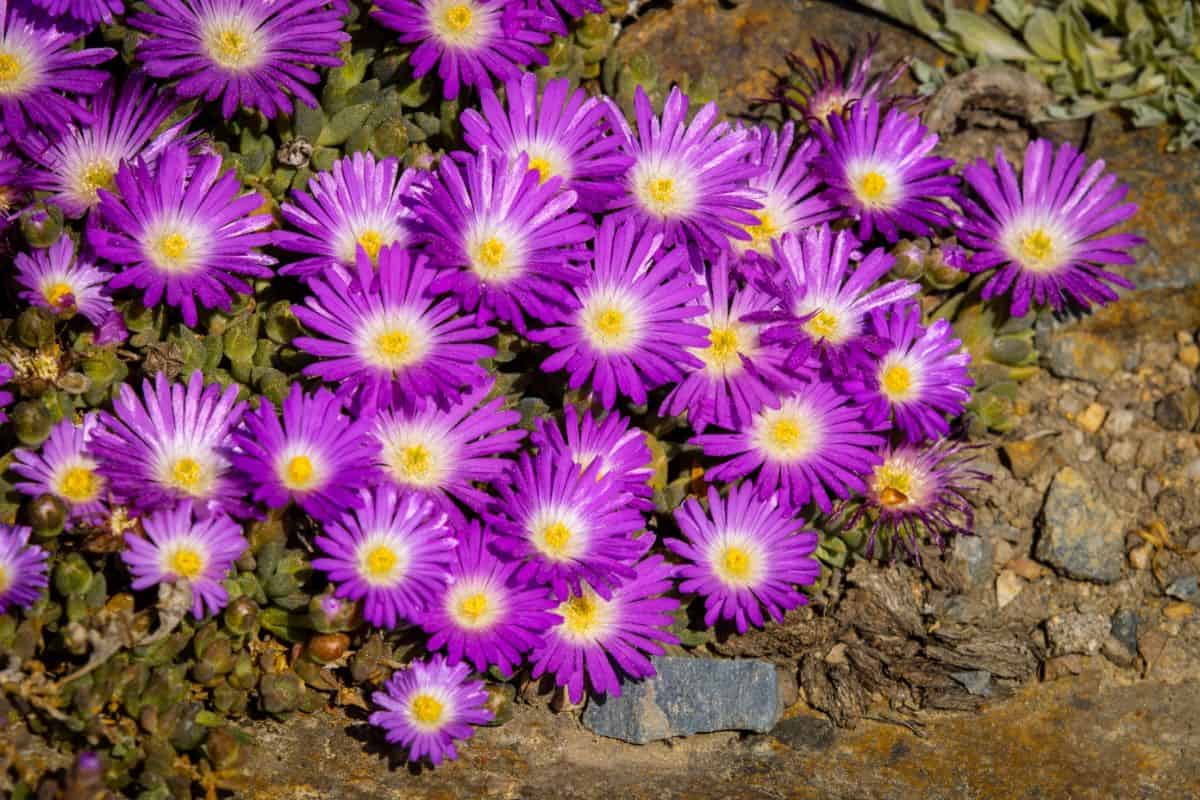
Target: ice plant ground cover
x=298 y=410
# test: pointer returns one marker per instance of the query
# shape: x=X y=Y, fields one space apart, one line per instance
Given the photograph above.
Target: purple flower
x=177 y=229
x=620 y=449
x=387 y=338
x=816 y=443
x=689 y=180
x=42 y=75
x=600 y=637
x=178 y=546
x=6 y=375
x=563 y=134
x=882 y=173
x=359 y=203
x=833 y=87
x=444 y=453
x=823 y=302
x=504 y=242
x=744 y=555
x=485 y=615
x=1046 y=236
x=23 y=571
x=171 y=444
x=249 y=53
x=559 y=12
x=56 y=280
x=568 y=525
x=920 y=378
x=14 y=181
x=64 y=468
x=627 y=329
x=318 y=458
x=429 y=706
x=87 y=11
x=469 y=41
x=393 y=553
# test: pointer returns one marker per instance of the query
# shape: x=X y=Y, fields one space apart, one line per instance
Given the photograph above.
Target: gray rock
x=690 y=695
x=805 y=733
x=1186 y=588
x=1179 y=410
x=977 y=681
x=1124 y=628
x=974 y=553
x=1081 y=535
x=1077 y=632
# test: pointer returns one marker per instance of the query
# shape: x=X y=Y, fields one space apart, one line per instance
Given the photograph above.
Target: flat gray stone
x=690 y=695
x=1081 y=535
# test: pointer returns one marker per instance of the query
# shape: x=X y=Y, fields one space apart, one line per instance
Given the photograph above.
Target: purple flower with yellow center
x=42 y=76
x=86 y=11
x=249 y=53
x=504 y=241
x=6 y=375
x=23 y=570
x=392 y=553
x=56 y=280
x=178 y=231
x=566 y=524
x=75 y=165
x=739 y=374
x=318 y=457
x=627 y=330
x=689 y=180
x=563 y=134
x=882 y=173
x=14 y=181
x=444 y=453
x=179 y=546
x=823 y=302
x=63 y=467
x=620 y=449
x=471 y=42
x=917 y=493
x=791 y=196
x=429 y=706
x=171 y=444
x=920 y=378
x=833 y=86
x=602 y=638
x=1046 y=234
x=815 y=444
x=485 y=615
x=360 y=202
x=745 y=556
x=387 y=338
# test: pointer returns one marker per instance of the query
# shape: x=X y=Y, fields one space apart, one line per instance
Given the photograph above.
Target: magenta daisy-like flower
x=470 y=42
x=63 y=467
x=249 y=53
x=429 y=706
x=360 y=202
x=318 y=458
x=1046 y=233
x=75 y=165
x=816 y=443
x=444 y=453
x=920 y=378
x=739 y=374
x=387 y=338
x=689 y=180
x=560 y=12
x=823 y=301
x=833 y=86
x=23 y=570
x=178 y=230
x=745 y=556
x=393 y=553
x=601 y=638
x=14 y=181
x=42 y=76
x=620 y=449
x=486 y=616
x=882 y=173
x=171 y=444
x=56 y=280
x=85 y=11
x=563 y=134
x=504 y=241
x=6 y=375
x=178 y=546
x=627 y=330
x=567 y=525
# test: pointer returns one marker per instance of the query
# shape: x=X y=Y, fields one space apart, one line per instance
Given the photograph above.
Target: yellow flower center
x=580 y=614
x=78 y=484
x=661 y=190
x=10 y=70
x=187 y=563
x=893 y=484
x=872 y=186
x=897 y=381
x=473 y=606
x=762 y=233
x=381 y=561
x=231 y=48
x=556 y=537
x=736 y=562
x=55 y=293
x=426 y=708
x=172 y=252
x=299 y=472
x=97 y=175
x=822 y=325
x=394 y=347
x=543 y=169
x=1037 y=247
x=490 y=256
x=458 y=18
x=371 y=241
x=187 y=473
x=610 y=323
x=724 y=345
x=786 y=434
x=415 y=461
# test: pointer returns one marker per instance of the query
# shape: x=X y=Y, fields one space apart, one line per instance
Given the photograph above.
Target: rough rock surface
x=1081 y=534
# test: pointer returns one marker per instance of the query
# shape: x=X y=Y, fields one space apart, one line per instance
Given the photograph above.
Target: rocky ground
x=1056 y=654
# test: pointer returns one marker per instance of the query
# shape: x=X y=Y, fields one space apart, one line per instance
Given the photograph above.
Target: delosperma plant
x=291 y=356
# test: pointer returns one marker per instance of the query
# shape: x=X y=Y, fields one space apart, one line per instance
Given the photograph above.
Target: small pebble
x=1008 y=586
x=1189 y=356
x=1121 y=452
x=1027 y=568
x=1119 y=422
x=1139 y=557
x=1185 y=588
x=1092 y=417
x=1178 y=611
